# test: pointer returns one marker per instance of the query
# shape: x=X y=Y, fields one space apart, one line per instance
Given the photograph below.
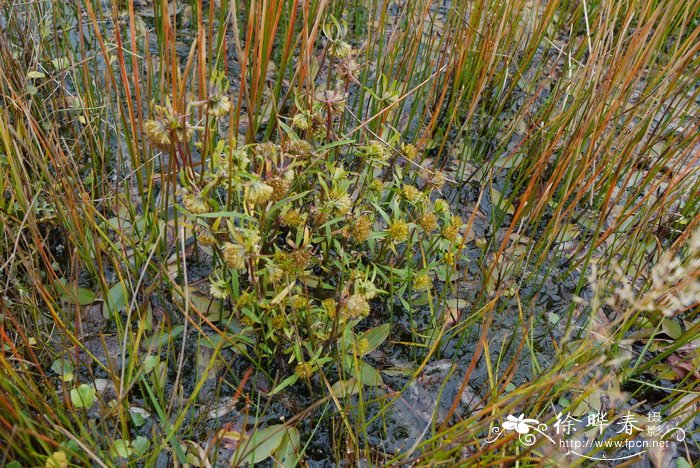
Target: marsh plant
x=305 y=235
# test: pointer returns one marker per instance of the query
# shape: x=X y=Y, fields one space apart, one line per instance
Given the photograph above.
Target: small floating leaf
x=64 y=368
x=140 y=445
x=83 y=396
x=501 y=202
x=121 y=449
x=81 y=296
x=671 y=328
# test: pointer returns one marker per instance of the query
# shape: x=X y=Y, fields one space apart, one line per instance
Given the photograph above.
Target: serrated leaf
x=83 y=396
x=35 y=74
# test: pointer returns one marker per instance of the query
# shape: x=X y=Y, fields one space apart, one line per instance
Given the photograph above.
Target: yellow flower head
x=428 y=221
x=362 y=346
x=303 y=370
x=158 y=133
x=411 y=193
x=360 y=229
x=398 y=231
x=195 y=203
x=356 y=306
x=259 y=193
x=292 y=218
x=339 y=49
x=330 y=307
x=235 y=256
x=441 y=206
x=299 y=148
x=205 y=236
x=218 y=105
x=218 y=288
x=422 y=282
x=409 y=151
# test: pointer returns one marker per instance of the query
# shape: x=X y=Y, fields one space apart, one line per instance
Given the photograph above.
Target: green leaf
x=509 y=160
x=291 y=380
x=121 y=449
x=76 y=295
x=163 y=336
x=209 y=307
x=140 y=445
x=501 y=202
x=569 y=232
x=333 y=145
x=260 y=445
x=115 y=300
x=150 y=363
x=345 y=388
x=671 y=328
x=138 y=416
x=365 y=373
x=376 y=336
x=64 y=368
x=212 y=341
x=83 y=396
x=288 y=451
x=60 y=63
x=368 y=375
